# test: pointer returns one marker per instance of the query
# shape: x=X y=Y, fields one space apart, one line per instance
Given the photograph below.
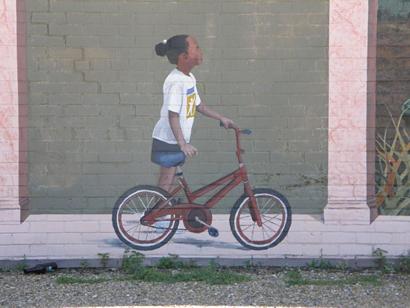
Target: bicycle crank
x=211 y=230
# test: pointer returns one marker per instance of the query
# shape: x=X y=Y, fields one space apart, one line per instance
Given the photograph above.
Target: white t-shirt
x=180 y=96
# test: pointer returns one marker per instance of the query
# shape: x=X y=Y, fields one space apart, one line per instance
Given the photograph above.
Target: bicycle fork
x=253 y=206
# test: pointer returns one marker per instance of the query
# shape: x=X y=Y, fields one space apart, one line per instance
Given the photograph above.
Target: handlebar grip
x=230 y=126
x=246 y=131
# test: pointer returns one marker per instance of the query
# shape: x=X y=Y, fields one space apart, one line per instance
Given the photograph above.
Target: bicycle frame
x=229 y=181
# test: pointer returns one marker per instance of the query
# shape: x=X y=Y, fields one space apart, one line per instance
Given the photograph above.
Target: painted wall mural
x=95 y=93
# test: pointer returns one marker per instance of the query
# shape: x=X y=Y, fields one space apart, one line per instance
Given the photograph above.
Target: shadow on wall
x=200 y=243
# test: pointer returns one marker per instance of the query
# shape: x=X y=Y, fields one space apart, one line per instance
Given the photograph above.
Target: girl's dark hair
x=172 y=47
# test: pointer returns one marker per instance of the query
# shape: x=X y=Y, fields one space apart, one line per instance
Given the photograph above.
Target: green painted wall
x=95 y=95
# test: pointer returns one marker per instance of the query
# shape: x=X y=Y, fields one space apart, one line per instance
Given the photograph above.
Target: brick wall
x=95 y=95
x=393 y=59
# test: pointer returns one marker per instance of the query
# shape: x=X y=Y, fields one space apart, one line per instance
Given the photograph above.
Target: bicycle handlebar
x=245 y=131
x=238 y=131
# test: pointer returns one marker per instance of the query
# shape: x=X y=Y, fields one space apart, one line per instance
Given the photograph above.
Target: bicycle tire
x=130 y=239
x=239 y=231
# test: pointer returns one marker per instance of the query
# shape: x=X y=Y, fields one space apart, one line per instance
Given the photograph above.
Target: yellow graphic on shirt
x=190 y=105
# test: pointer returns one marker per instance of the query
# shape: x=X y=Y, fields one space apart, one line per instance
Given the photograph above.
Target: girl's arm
x=206 y=111
x=188 y=149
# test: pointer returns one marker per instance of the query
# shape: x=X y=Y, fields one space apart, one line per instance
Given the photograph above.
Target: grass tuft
x=403 y=265
x=168 y=270
x=295 y=278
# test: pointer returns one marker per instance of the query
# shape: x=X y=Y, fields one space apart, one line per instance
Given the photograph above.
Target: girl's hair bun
x=161 y=48
x=172 y=47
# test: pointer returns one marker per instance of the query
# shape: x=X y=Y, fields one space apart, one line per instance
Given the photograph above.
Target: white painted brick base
x=84 y=236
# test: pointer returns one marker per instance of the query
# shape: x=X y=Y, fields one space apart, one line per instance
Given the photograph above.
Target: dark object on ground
x=41 y=268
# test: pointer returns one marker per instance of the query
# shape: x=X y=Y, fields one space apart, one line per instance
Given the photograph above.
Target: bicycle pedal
x=213 y=232
x=176 y=201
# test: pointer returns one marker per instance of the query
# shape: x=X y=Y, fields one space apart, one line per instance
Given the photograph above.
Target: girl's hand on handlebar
x=227 y=123
x=189 y=150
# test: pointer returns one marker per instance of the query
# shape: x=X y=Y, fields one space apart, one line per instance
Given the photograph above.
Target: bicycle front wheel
x=276 y=219
x=127 y=213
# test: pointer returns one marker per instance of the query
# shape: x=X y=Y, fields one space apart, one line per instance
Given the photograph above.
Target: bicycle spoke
x=135 y=208
x=137 y=230
x=271 y=218
x=263 y=233
x=142 y=202
x=276 y=215
x=132 y=209
x=273 y=205
x=270 y=229
x=247 y=227
x=131 y=212
x=253 y=230
x=135 y=205
x=272 y=221
x=146 y=235
x=149 y=203
x=131 y=228
x=267 y=202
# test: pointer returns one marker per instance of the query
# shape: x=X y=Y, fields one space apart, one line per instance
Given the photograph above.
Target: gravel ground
x=267 y=287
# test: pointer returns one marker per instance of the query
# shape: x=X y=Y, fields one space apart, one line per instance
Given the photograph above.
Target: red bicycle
x=146 y=217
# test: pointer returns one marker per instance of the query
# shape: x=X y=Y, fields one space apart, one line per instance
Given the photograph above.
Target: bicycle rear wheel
x=129 y=209
x=276 y=219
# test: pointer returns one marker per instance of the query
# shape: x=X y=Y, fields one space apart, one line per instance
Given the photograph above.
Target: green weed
x=403 y=265
x=168 y=270
x=342 y=266
x=132 y=263
x=381 y=261
x=171 y=262
x=104 y=257
x=295 y=278
x=320 y=264
x=171 y=269
x=84 y=264
x=22 y=265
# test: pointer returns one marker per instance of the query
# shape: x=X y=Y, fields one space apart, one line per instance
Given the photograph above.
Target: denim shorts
x=166 y=155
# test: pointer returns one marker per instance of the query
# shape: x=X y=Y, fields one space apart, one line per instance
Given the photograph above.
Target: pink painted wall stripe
x=351 y=106
x=13 y=109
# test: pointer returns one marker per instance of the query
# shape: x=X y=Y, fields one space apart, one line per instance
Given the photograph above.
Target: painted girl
x=172 y=133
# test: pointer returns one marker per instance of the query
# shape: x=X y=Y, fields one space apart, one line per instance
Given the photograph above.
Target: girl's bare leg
x=166 y=178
